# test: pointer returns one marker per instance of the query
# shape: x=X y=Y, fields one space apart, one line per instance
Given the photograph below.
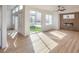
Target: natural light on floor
x=49 y=42
x=12 y=34
x=58 y=34
x=42 y=43
x=38 y=45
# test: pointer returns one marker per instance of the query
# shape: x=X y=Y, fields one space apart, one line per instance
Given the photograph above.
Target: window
x=35 y=17
x=35 y=21
x=16 y=9
x=48 y=19
x=20 y=7
x=38 y=18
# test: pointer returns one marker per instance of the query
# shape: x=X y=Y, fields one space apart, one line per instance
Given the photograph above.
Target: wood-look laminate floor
x=55 y=41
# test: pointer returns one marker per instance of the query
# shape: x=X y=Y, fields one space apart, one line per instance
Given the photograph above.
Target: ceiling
x=11 y=6
x=69 y=8
x=44 y=7
x=53 y=8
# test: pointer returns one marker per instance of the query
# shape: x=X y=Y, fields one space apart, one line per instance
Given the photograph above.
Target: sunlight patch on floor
x=38 y=45
x=15 y=45
x=12 y=34
x=49 y=42
x=42 y=43
x=58 y=34
x=15 y=33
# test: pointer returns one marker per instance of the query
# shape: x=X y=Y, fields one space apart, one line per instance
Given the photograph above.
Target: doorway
x=35 y=22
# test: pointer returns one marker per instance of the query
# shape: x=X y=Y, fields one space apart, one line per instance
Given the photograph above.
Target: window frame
x=48 y=19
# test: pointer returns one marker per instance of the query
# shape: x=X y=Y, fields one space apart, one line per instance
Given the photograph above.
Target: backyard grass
x=35 y=29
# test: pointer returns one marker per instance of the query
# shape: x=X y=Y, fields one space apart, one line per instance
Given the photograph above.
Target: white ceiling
x=53 y=8
x=44 y=7
x=11 y=6
x=69 y=8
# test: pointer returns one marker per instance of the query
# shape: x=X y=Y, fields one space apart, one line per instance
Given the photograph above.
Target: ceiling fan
x=60 y=8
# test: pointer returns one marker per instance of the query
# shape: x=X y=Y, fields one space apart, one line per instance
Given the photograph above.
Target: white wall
x=4 y=26
x=0 y=25
x=21 y=23
x=0 y=17
x=9 y=18
x=27 y=21
x=56 y=21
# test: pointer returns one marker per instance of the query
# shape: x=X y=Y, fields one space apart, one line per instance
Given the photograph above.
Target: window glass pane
x=48 y=19
x=35 y=18
x=13 y=11
x=20 y=7
x=16 y=9
x=33 y=12
x=38 y=18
